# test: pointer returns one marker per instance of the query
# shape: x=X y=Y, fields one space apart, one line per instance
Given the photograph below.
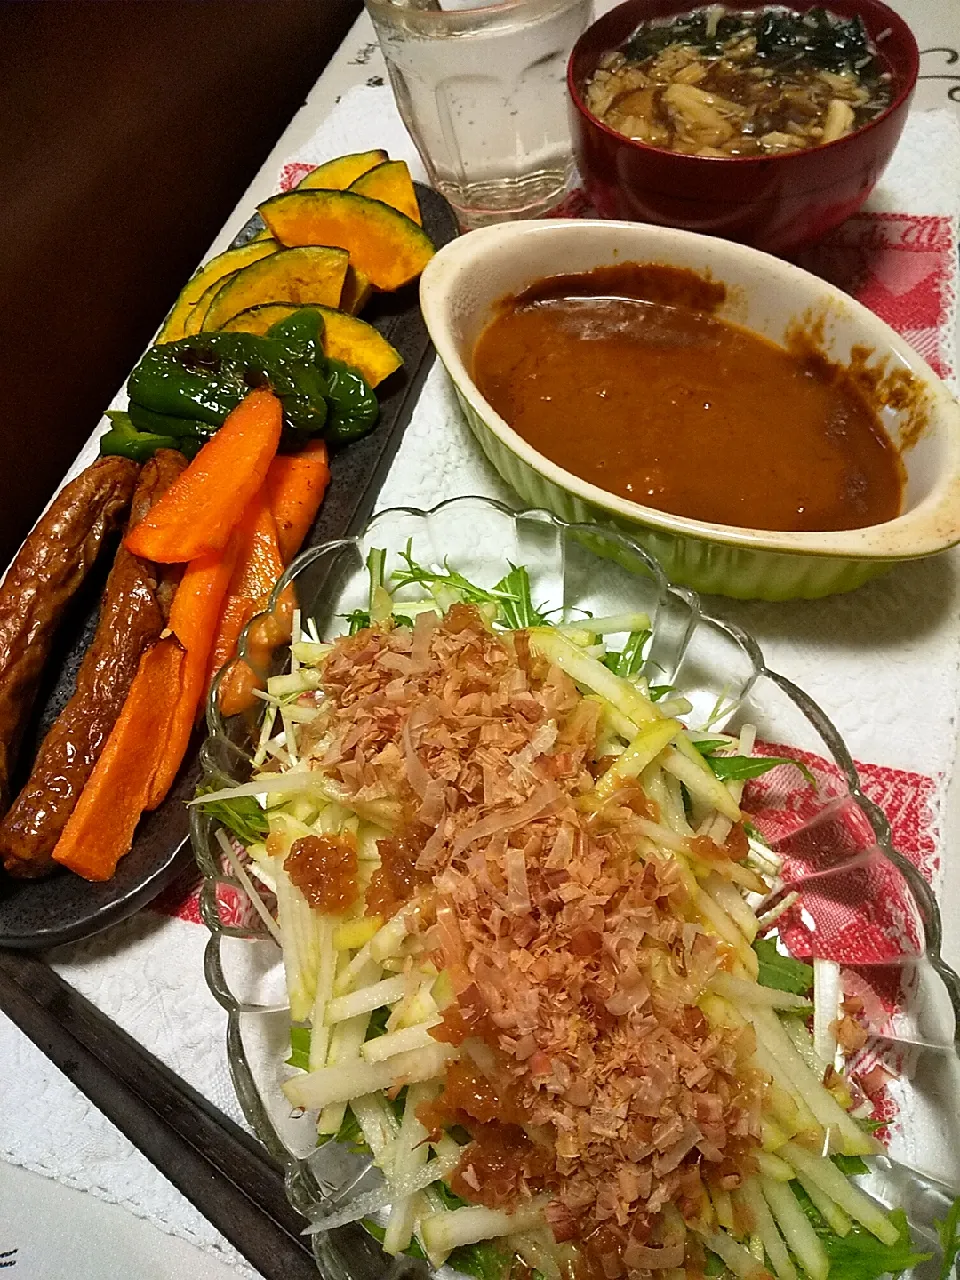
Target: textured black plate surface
x=63 y=908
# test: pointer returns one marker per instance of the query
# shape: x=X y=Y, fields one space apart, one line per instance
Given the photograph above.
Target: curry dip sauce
x=625 y=377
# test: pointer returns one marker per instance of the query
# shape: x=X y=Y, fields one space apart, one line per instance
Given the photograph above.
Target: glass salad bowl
x=847 y=900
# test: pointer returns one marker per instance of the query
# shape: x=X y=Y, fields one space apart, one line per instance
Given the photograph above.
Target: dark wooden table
x=131 y=129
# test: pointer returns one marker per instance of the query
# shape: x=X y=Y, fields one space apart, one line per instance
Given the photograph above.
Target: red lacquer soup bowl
x=778 y=203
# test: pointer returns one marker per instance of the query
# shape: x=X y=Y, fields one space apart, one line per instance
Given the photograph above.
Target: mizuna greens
x=522 y=925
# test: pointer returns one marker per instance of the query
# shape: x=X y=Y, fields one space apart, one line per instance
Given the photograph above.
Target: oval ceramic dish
x=462 y=285
x=837 y=843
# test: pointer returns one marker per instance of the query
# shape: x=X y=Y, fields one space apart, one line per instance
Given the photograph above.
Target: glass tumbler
x=481 y=88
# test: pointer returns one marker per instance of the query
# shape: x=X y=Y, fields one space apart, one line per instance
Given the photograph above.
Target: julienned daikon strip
x=615 y=623
x=835 y=1218
x=261 y=868
x=719 y=921
x=384 y=944
x=351 y=935
x=763 y=1223
x=663 y=836
x=378 y=1125
x=473 y=1223
x=326 y=968
x=839 y=1188
x=800 y=1236
x=854 y=1142
x=676 y=706
x=786 y=1101
x=698 y=778
x=266 y=733
x=771 y=1166
x=388 y=940
x=727 y=897
x=615 y=721
x=421 y=1008
x=738 y=873
x=723 y=926
x=767 y=918
x=345 y=1041
x=737 y=991
x=295 y=714
x=300 y=944
x=641 y=751
x=803 y=1044
x=594 y=676
x=748 y=740
x=294 y=631
x=291 y=782
x=740 y=1261
x=827 y=994
x=305 y=680
x=290 y=735
x=722 y=1206
x=535 y=1249
x=387 y=991
x=655 y=784
x=373 y=1201
x=310 y=651
x=410 y=1155
x=240 y=872
x=406 y=1040
x=341 y=1083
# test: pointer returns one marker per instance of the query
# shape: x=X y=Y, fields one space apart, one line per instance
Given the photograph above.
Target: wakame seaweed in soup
x=714 y=82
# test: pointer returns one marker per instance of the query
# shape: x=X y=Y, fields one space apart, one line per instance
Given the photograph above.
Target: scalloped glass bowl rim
x=301 y=1183
x=930 y=526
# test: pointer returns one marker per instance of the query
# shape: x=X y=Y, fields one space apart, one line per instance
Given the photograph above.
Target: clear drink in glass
x=481 y=88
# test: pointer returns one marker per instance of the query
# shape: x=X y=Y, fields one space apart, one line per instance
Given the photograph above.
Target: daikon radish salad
x=528 y=964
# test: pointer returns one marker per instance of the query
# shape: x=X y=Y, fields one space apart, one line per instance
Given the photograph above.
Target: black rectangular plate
x=64 y=908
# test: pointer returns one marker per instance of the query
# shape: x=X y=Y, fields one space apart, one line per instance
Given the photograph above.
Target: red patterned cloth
x=855 y=906
x=901 y=266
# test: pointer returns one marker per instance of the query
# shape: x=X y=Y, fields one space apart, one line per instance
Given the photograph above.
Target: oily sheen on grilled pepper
x=181 y=392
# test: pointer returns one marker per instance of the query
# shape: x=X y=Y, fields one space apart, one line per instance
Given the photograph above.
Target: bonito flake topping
x=513 y=898
x=588 y=1073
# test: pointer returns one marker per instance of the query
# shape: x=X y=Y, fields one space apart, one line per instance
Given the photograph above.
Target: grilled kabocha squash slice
x=194 y=321
x=356 y=292
x=314 y=273
x=338 y=174
x=390 y=183
x=224 y=264
x=344 y=337
x=388 y=247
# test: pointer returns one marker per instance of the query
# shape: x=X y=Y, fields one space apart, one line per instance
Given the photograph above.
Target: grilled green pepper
x=184 y=390
x=124 y=440
x=295 y=366
x=353 y=405
x=165 y=424
x=203 y=377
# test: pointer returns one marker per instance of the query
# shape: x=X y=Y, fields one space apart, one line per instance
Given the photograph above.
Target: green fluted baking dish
x=463 y=283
